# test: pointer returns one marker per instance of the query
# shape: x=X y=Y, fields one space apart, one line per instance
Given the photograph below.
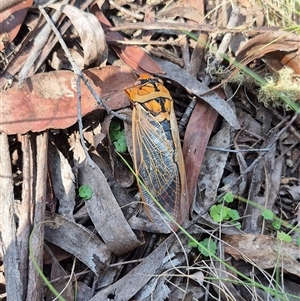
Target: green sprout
x=85 y=192
x=117 y=136
x=206 y=247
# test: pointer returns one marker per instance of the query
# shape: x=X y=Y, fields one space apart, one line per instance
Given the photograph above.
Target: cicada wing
x=159 y=163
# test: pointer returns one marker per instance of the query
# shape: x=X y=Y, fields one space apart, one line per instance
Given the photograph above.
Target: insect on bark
x=158 y=159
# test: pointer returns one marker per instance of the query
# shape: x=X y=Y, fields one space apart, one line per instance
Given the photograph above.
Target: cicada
x=158 y=159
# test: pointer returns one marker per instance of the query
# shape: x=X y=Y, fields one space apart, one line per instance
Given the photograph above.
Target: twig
x=186 y=115
x=227 y=37
x=14 y=286
x=175 y=26
x=80 y=126
x=35 y=286
x=39 y=42
x=221 y=149
x=126 y=11
x=76 y=69
x=271 y=143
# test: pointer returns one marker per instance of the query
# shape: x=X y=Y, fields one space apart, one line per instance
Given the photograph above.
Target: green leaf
x=192 y=244
x=85 y=192
x=219 y=213
x=298 y=241
x=114 y=127
x=276 y=224
x=233 y=214
x=207 y=247
x=117 y=136
x=284 y=237
x=228 y=197
x=238 y=225
x=120 y=145
x=267 y=214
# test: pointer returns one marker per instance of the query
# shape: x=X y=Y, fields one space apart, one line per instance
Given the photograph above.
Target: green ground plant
x=85 y=192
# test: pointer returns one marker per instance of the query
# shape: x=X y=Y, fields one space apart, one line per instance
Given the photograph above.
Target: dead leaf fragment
x=196 y=138
x=106 y=213
x=265 y=251
x=63 y=181
x=130 y=284
x=279 y=48
x=78 y=241
x=193 y=86
x=90 y=31
x=49 y=100
x=11 y=20
x=133 y=56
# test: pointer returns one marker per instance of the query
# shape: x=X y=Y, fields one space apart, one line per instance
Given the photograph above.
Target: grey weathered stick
x=14 y=285
x=76 y=69
x=35 y=285
x=39 y=43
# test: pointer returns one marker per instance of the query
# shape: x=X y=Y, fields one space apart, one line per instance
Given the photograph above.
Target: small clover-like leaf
x=85 y=192
x=233 y=214
x=267 y=214
x=284 y=237
x=120 y=145
x=228 y=197
x=207 y=247
x=276 y=224
x=192 y=244
x=117 y=136
x=219 y=213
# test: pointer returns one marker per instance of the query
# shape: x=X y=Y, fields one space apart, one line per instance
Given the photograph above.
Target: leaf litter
x=231 y=142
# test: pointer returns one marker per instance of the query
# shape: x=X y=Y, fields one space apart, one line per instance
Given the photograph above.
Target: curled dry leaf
x=11 y=20
x=196 y=137
x=49 y=100
x=184 y=11
x=193 y=86
x=90 y=31
x=265 y=251
x=133 y=56
x=63 y=181
x=131 y=283
x=213 y=167
x=78 y=241
x=121 y=173
x=279 y=46
x=106 y=213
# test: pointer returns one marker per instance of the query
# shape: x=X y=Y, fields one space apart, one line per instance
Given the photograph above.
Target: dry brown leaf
x=133 y=56
x=11 y=21
x=49 y=100
x=213 y=167
x=195 y=87
x=282 y=46
x=78 y=241
x=196 y=137
x=63 y=181
x=90 y=31
x=185 y=11
x=106 y=213
x=264 y=251
x=131 y=283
